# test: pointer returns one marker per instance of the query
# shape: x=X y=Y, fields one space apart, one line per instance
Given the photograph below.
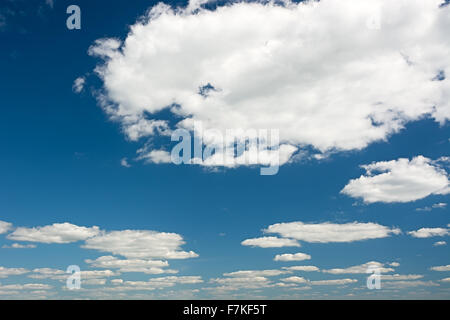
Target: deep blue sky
x=60 y=162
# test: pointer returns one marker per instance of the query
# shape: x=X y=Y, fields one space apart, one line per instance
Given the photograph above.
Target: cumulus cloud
x=401 y=180
x=401 y=277
x=331 y=232
x=441 y=268
x=332 y=282
x=140 y=244
x=131 y=265
x=55 y=233
x=124 y=163
x=78 y=84
x=6 y=272
x=360 y=269
x=302 y=268
x=429 y=232
x=156 y=283
x=5 y=227
x=295 y=279
x=255 y=273
x=314 y=70
x=270 y=242
x=439 y=243
x=292 y=257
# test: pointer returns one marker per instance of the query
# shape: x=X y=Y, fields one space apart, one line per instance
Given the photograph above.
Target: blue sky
x=61 y=163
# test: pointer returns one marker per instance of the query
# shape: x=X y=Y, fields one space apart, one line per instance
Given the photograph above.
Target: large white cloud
x=331 y=232
x=140 y=244
x=55 y=233
x=334 y=75
x=401 y=180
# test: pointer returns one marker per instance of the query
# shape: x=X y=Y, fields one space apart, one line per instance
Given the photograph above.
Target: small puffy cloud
x=446 y=280
x=292 y=257
x=439 y=243
x=124 y=163
x=6 y=272
x=441 y=268
x=140 y=244
x=302 y=268
x=5 y=227
x=156 y=156
x=310 y=65
x=78 y=84
x=55 y=233
x=360 y=269
x=440 y=205
x=394 y=264
x=270 y=242
x=401 y=180
x=295 y=280
x=331 y=232
x=429 y=232
x=131 y=265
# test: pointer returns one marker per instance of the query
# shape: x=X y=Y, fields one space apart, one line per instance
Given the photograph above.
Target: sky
x=356 y=91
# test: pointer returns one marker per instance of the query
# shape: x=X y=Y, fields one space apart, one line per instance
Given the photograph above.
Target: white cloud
x=78 y=84
x=255 y=273
x=156 y=283
x=394 y=264
x=429 y=232
x=440 y=205
x=19 y=246
x=401 y=180
x=270 y=242
x=131 y=265
x=441 y=268
x=446 y=280
x=27 y=286
x=332 y=282
x=331 y=232
x=314 y=70
x=292 y=257
x=156 y=156
x=401 y=277
x=439 y=243
x=55 y=233
x=124 y=163
x=5 y=227
x=6 y=272
x=360 y=269
x=295 y=280
x=302 y=268
x=140 y=244
x=408 y=284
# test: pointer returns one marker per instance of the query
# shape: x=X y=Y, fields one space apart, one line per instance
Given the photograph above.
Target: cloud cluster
x=401 y=180
x=429 y=232
x=317 y=71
